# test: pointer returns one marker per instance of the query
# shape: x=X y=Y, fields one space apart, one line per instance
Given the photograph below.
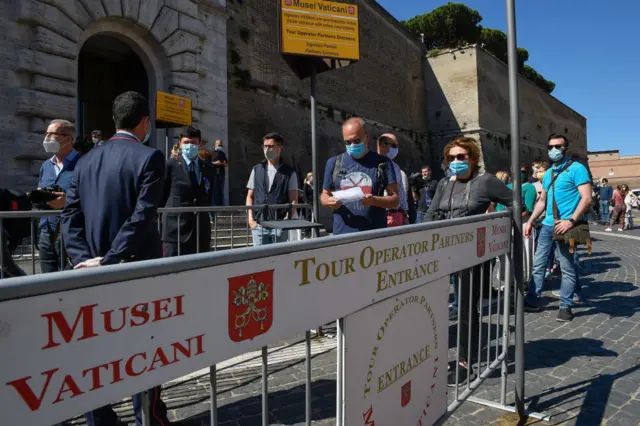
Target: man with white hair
x=57 y=171
x=388 y=147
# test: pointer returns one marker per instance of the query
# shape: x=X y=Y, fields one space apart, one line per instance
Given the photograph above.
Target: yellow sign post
x=173 y=109
x=319 y=28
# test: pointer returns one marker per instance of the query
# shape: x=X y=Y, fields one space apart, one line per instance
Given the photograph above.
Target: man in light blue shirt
x=569 y=185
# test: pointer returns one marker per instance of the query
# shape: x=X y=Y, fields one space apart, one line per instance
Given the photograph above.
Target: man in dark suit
x=110 y=214
x=188 y=183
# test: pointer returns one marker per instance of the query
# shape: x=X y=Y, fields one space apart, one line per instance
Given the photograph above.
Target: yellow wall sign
x=319 y=28
x=173 y=109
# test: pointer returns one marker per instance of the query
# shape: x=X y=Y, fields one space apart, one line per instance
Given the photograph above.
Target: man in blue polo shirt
x=569 y=184
x=57 y=170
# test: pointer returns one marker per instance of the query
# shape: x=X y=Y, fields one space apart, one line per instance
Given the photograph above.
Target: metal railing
x=230 y=230
x=471 y=281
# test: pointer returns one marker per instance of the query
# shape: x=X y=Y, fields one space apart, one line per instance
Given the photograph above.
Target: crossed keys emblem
x=249 y=296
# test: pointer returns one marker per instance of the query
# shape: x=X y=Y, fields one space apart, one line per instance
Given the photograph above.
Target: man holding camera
x=56 y=173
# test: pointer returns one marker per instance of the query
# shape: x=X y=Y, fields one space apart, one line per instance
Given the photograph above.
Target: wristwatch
x=573 y=222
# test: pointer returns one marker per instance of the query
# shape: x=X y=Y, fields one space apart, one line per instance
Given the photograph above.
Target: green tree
x=455 y=24
x=538 y=79
x=449 y=26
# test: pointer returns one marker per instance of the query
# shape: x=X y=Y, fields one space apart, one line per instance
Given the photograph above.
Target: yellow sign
x=173 y=109
x=320 y=28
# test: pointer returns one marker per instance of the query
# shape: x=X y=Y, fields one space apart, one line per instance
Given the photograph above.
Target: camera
x=40 y=197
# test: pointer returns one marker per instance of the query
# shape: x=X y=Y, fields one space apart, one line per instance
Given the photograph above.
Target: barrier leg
x=307 y=396
x=213 y=395
x=469 y=327
x=505 y=330
x=340 y=372
x=481 y=309
x=179 y=243
x=265 y=388
x=146 y=415
x=197 y=232
x=33 y=246
x=458 y=333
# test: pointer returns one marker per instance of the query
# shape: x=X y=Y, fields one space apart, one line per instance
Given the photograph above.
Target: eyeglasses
x=459 y=157
x=355 y=141
x=270 y=146
x=556 y=147
x=56 y=134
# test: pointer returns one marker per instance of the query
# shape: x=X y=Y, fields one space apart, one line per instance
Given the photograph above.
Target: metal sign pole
x=314 y=147
x=514 y=97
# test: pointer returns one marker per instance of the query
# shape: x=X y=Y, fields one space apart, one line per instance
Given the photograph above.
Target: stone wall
x=471 y=96
x=386 y=88
x=182 y=44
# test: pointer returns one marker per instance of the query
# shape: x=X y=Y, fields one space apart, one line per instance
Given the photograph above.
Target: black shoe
x=530 y=306
x=565 y=315
x=463 y=376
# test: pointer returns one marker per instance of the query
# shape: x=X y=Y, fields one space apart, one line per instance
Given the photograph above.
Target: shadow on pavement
x=597 y=392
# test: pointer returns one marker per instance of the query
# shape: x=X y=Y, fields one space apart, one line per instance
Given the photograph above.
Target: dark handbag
x=577 y=235
x=612 y=202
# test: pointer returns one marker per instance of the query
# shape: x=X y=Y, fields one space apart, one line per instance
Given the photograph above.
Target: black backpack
x=381 y=175
x=16 y=229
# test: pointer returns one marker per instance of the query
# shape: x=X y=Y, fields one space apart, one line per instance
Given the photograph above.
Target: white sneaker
x=620 y=229
x=608 y=229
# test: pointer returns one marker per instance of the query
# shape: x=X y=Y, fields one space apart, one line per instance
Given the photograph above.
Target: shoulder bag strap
x=337 y=166
x=556 y=212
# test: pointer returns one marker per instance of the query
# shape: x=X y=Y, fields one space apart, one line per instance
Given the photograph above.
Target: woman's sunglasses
x=459 y=157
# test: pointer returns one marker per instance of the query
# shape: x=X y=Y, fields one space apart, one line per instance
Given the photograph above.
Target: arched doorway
x=107 y=67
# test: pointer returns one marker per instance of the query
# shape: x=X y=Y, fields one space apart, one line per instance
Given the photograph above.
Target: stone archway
x=167 y=35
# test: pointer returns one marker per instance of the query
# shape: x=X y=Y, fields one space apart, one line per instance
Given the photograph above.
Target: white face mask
x=271 y=154
x=51 y=145
x=95 y=140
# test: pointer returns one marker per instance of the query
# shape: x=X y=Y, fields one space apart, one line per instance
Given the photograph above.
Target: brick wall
x=624 y=170
x=386 y=88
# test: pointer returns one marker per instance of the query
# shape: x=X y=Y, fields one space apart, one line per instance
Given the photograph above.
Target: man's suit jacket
x=112 y=203
x=179 y=193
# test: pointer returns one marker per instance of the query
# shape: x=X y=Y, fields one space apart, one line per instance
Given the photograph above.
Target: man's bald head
x=353 y=127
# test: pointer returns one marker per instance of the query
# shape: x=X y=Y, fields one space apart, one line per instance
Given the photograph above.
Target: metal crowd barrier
x=235 y=220
x=490 y=355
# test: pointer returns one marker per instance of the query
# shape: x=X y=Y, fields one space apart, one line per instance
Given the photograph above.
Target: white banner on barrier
x=66 y=353
x=396 y=359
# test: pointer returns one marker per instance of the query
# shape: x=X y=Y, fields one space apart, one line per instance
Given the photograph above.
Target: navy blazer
x=112 y=203
x=178 y=193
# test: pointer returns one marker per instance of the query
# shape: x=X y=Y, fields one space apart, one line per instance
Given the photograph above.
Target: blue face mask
x=556 y=155
x=355 y=151
x=459 y=167
x=189 y=151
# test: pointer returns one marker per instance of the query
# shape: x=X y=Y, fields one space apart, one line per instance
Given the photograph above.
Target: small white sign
x=396 y=359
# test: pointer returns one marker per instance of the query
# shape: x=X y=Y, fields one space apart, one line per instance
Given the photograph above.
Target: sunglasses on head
x=355 y=141
x=459 y=157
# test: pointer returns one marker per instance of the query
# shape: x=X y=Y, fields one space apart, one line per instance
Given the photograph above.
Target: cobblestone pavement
x=586 y=372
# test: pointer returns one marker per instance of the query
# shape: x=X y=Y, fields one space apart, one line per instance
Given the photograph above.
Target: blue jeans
x=604 y=211
x=568 y=265
x=262 y=236
x=419 y=217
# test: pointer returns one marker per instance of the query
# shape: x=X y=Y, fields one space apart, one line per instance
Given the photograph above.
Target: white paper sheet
x=349 y=195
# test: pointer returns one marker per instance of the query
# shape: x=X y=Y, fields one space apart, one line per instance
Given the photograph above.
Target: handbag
x=577 y=235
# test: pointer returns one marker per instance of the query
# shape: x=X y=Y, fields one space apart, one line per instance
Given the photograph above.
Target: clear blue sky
x=589 y=48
